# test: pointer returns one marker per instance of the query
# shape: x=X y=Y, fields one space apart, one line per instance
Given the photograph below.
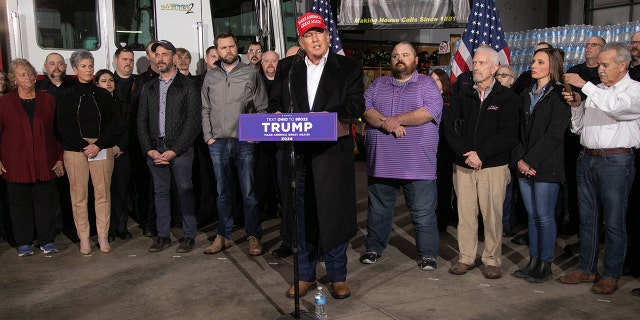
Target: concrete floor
x=130 y=283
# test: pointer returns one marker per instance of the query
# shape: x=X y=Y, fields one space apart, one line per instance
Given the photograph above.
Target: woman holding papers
x=88 y=124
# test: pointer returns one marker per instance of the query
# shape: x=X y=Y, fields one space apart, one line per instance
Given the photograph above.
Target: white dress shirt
x=610 y=116
x=314 y=72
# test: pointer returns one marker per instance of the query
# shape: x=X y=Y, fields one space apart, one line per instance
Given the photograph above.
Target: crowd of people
x=163 y=145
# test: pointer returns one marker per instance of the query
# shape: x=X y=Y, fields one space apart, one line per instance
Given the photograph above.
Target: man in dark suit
x=325 y=197
x=168 y=124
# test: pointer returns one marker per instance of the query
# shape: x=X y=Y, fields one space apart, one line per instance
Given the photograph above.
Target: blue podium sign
x=320 y=126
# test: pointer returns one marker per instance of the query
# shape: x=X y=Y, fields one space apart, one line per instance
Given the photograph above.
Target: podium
x=314 y=126
x=290 y=128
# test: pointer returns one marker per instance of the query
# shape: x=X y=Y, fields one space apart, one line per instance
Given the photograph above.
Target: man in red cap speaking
x=321 y=81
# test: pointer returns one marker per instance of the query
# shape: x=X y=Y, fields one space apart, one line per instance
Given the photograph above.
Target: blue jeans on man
x=224 y=154
x=180 y=168
x=421 y=199
x=539 y=199
x=604 y=182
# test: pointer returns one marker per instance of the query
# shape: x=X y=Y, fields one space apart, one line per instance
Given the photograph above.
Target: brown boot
x=605 y=286
x=218 y=244
x=255 y=247
x=340 y=290
x=303 y=286
x=576 y=277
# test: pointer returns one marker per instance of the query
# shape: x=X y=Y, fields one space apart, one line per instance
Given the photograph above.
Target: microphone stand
x=292 y=157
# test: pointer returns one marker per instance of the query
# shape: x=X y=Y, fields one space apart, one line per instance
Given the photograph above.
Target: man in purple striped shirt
x=403 y=114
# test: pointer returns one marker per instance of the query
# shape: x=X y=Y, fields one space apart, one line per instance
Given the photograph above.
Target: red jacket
x=28 y=155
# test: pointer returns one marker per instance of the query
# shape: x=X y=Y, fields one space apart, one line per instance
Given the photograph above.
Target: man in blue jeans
x=607 y=122
x=403 y=114
x=229 y=90
x=168 y=120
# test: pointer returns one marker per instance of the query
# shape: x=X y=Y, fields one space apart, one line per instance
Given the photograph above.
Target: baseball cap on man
x=309 y=21
x=165 y=44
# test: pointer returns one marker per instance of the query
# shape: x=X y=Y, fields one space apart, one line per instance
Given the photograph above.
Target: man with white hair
x=481 y=126
x=607 y=122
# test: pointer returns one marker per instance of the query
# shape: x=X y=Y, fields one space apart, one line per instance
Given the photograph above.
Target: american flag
x=323 y=8
x=484 y=27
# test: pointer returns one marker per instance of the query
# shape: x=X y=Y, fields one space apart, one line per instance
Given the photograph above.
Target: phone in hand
x=567 y=87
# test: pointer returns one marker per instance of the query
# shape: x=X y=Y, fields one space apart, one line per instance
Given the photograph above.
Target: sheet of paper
x=102 y=155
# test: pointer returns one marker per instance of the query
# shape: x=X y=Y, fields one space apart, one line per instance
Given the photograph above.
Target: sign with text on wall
x=315 y=126
x=403 y=14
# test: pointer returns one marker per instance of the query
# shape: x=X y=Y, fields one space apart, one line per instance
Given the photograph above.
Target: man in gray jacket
x=229 y=90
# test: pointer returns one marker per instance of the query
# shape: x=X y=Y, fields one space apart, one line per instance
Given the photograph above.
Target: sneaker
x=160 y=244
x=186 y=245
x=255 y=247
x=25 y=250
x=428 y=263
x=218 y=244
x=49 y=248
x=370 y=257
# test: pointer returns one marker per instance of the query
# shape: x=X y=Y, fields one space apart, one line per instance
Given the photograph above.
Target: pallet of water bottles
x=570 y=38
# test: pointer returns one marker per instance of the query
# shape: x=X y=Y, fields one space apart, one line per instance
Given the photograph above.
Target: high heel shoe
x=103 y=243
x=85 y=246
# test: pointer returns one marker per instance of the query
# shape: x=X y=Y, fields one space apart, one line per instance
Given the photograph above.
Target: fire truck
x=31 y=29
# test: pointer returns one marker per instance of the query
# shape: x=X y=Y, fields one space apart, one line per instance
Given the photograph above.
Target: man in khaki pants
x=481 y=126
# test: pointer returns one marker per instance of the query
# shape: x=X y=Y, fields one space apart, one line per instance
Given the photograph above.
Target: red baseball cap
x=309 y=21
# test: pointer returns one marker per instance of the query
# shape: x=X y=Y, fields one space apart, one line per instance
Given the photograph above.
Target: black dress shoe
x=282 y=252
x=125 y=235
x=111 y=238
x=160 y=244
x=636 y=292
x=186 y=245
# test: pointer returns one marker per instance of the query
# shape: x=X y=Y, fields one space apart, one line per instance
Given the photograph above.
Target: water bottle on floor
x=321 y=303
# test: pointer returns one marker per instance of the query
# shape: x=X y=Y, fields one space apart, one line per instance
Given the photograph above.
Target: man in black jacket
x=168 y=123
x=55 y=75
x=326 y=199
x=481 y=127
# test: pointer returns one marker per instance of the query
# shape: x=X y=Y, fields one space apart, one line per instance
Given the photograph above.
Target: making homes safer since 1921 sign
x=402 y=14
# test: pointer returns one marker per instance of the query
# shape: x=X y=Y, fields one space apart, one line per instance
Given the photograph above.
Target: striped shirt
x=412 y=157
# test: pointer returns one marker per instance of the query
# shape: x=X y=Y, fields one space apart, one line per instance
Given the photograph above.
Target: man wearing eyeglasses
x=634 y=48
x=588 y=70
x=254 y=55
